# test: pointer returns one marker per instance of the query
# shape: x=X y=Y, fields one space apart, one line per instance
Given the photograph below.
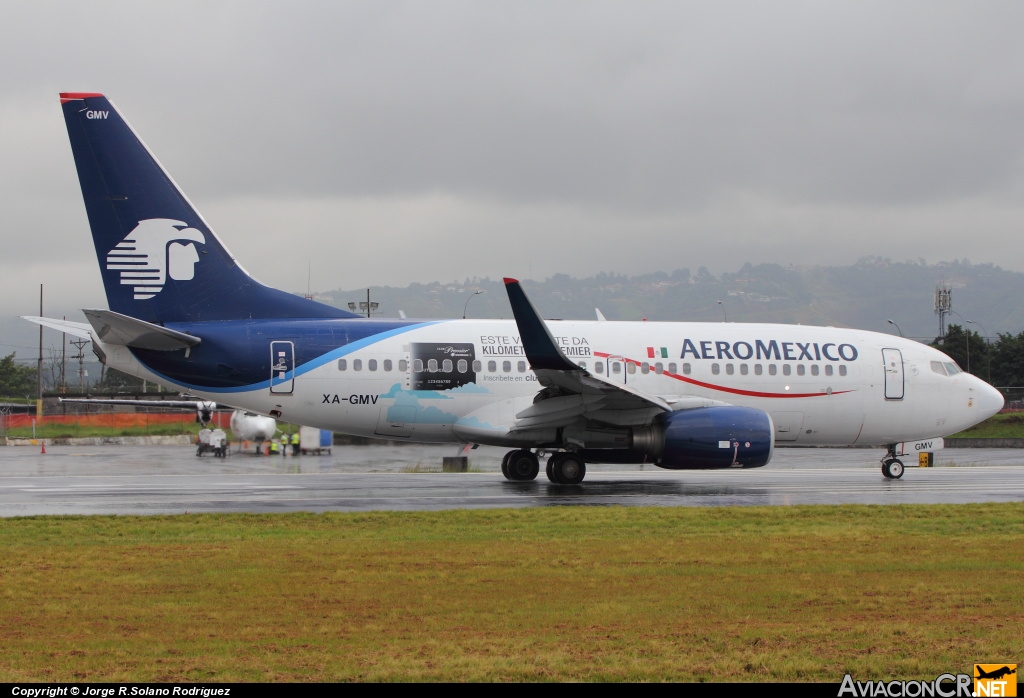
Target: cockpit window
x=951 y=368
x=937 y=367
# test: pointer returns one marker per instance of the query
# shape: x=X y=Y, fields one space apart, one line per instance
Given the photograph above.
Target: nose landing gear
x=892 y=467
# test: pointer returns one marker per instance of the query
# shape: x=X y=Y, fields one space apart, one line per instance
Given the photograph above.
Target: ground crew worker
x=295 y=443
x=275 y=448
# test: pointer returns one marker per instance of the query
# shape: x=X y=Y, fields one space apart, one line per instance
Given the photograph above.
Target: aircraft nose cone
x=990 y=400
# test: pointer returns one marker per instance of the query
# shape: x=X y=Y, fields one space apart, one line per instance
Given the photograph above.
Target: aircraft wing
x=78 y=329
x=178 y=404
x=572 y=392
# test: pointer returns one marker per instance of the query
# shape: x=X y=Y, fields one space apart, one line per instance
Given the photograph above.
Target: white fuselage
x=822 y=386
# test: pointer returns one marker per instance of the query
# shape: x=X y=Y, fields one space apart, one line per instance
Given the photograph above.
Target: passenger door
x=894 y=385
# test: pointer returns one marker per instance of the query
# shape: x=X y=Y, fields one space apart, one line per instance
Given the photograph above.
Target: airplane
x=246 y=426
x=184 y=313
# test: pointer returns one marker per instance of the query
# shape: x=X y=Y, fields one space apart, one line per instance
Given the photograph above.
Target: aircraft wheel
x=522 y=465
x=504 y=465
x=893 y=469
x=568 y=469
x=550 y=468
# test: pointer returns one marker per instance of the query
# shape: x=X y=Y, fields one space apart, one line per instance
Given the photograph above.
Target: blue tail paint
x=160 y=261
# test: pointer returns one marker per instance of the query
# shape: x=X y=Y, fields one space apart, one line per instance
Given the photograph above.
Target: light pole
x=891 y=322
x=984 y=337
x=467 y=303
x=725 y=316
x=366 y=306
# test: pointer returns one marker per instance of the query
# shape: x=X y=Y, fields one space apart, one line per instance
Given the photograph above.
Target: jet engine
x=708 y=437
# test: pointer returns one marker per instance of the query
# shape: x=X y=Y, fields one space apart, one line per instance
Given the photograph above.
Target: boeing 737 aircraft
x=184 y=313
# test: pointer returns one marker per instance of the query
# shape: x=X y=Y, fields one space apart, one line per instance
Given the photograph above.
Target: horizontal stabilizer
x=78 y=329
x=115 y=328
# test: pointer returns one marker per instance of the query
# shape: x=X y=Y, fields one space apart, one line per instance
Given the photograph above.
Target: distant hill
x=864 y=295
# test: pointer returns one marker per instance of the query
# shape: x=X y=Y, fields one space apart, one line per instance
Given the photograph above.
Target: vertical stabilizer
x=159 y=259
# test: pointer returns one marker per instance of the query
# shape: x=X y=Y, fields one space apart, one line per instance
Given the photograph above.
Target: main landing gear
x=563 y=468
x=892 y=467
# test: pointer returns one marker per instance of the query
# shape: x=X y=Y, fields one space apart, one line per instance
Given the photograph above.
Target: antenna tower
x=943 y=305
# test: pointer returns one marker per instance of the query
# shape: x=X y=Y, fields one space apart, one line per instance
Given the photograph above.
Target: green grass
x=999 y=426
x=631 y=594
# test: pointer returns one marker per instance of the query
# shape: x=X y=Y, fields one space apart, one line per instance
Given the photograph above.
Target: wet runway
x=164 y=480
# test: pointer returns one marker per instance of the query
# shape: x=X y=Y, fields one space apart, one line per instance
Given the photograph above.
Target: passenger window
x=432 y=366
x=343 y=364
x=463 y=365
x=729 y=369
x=477 y=366
x=842 y=370
x=506 y=366
x=659 y=368
x=800 y=370
x=744 y=369
x=715 y=369
x=357 y=364
x=372 y=364
x=936 y=367
x=828 y=369
x=672 y=368
x=814 y=369
x=387 y=364
x=616 y=367
x=521 y=366
x=758 y=369
x=645 y=368
x=772 y=369
x=492 y=366
x=686 y=369
x=630 y=368
x=446 y=365
x=786 y=369
x=403 y=365
x=599 y=367
x=583 y=365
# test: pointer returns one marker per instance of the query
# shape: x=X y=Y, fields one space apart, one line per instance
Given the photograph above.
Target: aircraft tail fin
x=159 y=259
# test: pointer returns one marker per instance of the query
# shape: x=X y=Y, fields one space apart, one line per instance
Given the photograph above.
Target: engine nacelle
x=709 y=437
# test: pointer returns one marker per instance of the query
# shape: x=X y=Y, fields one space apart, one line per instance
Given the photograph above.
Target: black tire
x=523 y=466
x=569 y=469
x=550 y=469
x=504 y=465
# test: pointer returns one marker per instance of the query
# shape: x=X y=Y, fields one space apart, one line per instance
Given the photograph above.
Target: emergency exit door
x=282 y=368
x=893 y=360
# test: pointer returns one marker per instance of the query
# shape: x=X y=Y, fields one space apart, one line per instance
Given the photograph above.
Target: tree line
x=1000 y=363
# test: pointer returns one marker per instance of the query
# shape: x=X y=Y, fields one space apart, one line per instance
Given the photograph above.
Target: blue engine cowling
x=715 y=437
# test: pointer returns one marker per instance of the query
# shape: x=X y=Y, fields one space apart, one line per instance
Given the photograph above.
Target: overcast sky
x=390 y=142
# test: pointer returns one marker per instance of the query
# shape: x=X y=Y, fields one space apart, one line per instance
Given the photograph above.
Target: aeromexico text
x=770 y=350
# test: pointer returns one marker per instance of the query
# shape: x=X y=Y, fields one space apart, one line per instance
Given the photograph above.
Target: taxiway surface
x=166 y=480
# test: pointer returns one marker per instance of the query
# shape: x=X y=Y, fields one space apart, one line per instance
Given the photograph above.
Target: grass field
x=776 y=593
x=998 y=426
